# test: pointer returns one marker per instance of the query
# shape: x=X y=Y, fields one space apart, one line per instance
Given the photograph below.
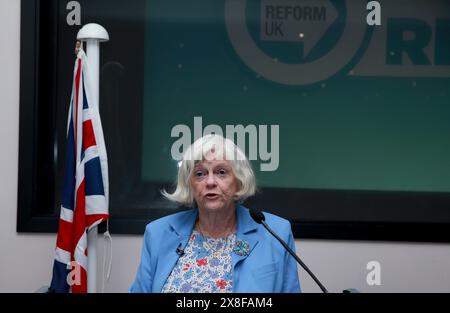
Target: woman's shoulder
x=281 y=226
x=277 y=223
x=169 y=221
x=274 y=221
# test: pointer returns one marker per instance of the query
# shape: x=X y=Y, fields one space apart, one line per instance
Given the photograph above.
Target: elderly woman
x=215 y=246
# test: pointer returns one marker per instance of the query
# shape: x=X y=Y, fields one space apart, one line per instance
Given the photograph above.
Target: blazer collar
x=245 y=223
x=184 y=225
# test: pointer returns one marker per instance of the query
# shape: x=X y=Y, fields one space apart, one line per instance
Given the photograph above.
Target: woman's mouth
x=211 y=196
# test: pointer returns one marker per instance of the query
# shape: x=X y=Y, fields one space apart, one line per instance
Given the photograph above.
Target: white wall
x=26 y=259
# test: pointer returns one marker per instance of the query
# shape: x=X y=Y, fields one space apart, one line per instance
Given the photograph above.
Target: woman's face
x=214 y=185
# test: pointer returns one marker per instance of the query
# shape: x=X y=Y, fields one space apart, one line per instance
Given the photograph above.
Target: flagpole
x=93 y=34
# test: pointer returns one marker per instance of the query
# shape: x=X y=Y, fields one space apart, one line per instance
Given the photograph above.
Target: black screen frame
x=38 y=168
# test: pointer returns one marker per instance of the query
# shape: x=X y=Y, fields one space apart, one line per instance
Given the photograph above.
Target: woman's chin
x=213 y=205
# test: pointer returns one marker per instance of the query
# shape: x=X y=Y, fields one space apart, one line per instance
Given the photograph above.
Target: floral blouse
x=205 y=266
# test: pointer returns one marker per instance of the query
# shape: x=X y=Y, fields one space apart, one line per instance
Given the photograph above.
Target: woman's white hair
x=203 y=148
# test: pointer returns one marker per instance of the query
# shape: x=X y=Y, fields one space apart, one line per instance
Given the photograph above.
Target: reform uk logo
x=297 y=42
x=303 y=42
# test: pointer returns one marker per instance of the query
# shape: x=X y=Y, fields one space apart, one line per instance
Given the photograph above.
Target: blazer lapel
x=244 y=235
x=177 y=235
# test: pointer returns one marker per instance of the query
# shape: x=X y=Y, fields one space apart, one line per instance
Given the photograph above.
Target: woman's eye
x=199 y=174
x=222 y=172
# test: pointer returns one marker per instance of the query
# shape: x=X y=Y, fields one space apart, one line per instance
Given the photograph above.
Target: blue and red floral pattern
x=204 y=267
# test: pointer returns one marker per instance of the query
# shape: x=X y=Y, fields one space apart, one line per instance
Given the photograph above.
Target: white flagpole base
x=92 y=239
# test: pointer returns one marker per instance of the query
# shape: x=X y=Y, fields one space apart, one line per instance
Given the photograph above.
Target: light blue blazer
x=267 y=268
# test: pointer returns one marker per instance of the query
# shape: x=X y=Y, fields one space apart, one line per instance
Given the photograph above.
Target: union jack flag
x=85 y=189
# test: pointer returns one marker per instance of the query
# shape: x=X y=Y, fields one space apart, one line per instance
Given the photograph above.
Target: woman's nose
x=210 y=180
